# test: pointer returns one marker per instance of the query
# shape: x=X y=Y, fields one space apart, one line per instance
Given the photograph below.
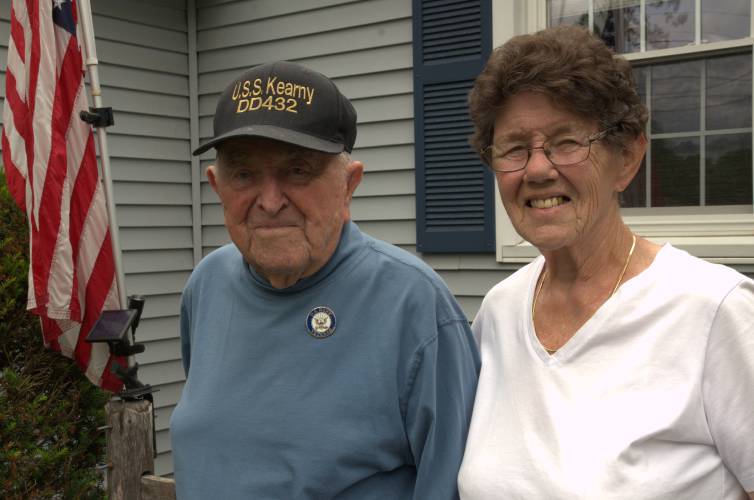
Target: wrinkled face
x=549 y=206
x=284 y=206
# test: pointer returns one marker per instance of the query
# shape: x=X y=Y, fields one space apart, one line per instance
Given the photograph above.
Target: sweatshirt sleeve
x=437 y=408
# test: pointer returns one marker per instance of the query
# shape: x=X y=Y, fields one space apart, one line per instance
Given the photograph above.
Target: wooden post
x=157 y=488
x=130 y=449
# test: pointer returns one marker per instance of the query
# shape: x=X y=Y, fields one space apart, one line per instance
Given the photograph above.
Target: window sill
x=719 y=249
x=727 y=239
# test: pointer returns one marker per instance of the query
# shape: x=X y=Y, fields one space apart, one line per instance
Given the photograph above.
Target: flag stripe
x=15 y=60
x=51 y=169
x=33 y=56
x=56 y=197
x=15 y=111
x=87 y=182
x=51 y=332
x=83 y=167
x=101 y=279
x=17 y=38
x=16 y=184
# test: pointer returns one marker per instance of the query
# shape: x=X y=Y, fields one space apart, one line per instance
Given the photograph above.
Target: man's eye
x=241 y=177
x=241 y=174
x=301 y=172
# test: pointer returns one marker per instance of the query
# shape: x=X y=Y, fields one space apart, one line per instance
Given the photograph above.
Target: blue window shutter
x=454 y=190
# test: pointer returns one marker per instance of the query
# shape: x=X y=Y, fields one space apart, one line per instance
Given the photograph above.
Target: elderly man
x=321 y=363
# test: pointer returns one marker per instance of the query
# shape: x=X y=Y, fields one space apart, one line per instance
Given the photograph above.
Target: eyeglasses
x=561 y=150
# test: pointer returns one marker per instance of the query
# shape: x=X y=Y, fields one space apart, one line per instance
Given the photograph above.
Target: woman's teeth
x=548 y=202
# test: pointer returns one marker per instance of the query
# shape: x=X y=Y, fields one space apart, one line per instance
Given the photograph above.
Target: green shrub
x=49 y=411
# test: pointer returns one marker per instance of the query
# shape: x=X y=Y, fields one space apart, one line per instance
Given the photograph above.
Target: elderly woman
x=612 y=367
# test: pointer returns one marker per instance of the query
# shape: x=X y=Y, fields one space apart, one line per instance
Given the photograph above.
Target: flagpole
x=85 y=16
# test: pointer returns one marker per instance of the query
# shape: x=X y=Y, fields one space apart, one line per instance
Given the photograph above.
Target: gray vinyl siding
x=143 y=54
x=143 y=47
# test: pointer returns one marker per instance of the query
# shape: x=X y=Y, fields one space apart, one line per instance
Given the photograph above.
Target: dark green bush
x=49 y=411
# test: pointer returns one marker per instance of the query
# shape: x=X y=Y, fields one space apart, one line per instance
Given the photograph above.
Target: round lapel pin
x=320 y=323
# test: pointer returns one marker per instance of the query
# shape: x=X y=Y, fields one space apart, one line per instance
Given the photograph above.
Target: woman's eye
x=566 y=142
x=513 y=151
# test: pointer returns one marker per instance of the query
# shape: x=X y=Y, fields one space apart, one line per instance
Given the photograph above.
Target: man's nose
x=272 y=197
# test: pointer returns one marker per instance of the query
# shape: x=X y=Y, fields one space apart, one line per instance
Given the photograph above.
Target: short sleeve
x=728 y=386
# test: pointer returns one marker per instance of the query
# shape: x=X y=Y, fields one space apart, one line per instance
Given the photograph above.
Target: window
x=700 y=134
x=693 y=66
x=700 y=127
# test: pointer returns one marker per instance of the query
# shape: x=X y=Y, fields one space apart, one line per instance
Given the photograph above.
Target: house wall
x=143 y=52
x=147 y=53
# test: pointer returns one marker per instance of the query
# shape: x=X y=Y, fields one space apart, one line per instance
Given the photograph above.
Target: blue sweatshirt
x=354 y=383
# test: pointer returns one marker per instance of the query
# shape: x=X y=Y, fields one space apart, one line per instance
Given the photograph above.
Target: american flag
x=51 y=170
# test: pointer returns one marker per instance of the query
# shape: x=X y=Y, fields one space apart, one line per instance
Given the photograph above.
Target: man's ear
x=212 y=177
x=633 y=154
x=354 y=174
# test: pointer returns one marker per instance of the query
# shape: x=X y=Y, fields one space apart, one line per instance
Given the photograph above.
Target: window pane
x=569 y=12
x=617 y=23
x=676 y=97
x=725 y=19
x=641 y=73
x=670 y=23
x=636 y=193
x=728 y=92
x=728 y=170
x=675 y=172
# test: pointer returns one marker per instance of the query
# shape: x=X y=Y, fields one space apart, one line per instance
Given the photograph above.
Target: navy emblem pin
x=321 y=322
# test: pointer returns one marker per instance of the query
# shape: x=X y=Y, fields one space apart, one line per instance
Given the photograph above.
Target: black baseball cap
x=286 y=102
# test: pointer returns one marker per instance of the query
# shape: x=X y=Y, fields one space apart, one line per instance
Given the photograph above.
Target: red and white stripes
x=51 y=169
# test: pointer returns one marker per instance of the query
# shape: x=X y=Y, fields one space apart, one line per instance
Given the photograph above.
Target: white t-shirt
x=652 y=398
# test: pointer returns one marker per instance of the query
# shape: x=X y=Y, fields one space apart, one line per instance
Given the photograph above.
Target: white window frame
x=725 y=238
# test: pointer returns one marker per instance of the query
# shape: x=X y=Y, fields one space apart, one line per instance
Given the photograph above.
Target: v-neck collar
x=591 y=326
x=563 y=354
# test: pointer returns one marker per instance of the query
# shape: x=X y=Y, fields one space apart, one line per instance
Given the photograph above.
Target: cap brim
x=278 y=134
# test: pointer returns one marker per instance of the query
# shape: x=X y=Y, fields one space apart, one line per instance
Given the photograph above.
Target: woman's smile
x=554 y=201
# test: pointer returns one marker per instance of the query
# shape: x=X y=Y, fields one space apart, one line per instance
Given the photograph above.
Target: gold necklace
x=617 y=284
